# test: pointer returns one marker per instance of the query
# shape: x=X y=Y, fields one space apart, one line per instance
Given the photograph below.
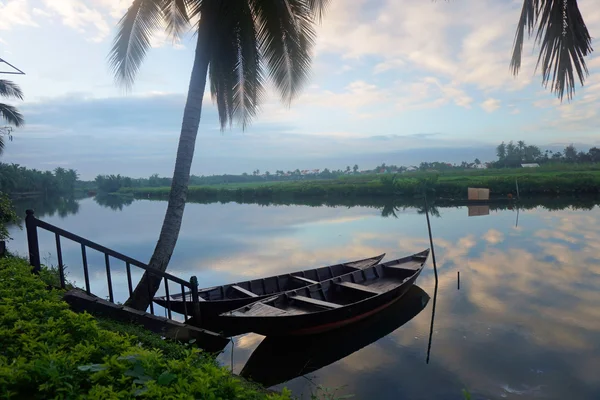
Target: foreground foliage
x=48 y=351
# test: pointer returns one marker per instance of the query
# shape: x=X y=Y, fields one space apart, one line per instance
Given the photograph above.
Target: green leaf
x=166 y=378
x=92 y=367
x=131 y=358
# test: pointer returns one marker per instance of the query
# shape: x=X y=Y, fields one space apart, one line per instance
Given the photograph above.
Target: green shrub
x=48 y=351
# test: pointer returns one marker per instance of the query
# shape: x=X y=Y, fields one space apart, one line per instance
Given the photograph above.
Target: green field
x=569 y=179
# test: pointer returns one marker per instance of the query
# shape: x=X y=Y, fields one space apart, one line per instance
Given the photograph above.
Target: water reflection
x=48 y=206
x=114 y=201
x=525 y=322
x=279 y=359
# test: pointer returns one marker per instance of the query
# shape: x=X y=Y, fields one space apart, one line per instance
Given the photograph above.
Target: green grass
x=49 y=352
x=540 y=181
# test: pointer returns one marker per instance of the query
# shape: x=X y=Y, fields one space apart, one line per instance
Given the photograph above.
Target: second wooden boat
x=330 y=304
x=219 y=299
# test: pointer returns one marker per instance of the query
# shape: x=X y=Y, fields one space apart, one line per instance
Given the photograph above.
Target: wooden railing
x=32 y=224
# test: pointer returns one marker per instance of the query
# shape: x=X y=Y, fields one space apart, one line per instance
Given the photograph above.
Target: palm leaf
x=176 y=17
x=249 y=86
x=11 y=115
x=285 y=31
x=562 y=48
x=318 y=7
x=526 y=20
x=223 y=57
x=10 y=89
x=132 y=42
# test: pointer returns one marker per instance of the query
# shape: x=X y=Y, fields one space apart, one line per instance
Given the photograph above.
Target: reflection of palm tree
x=433 y=210
x=389 y=210
x=235 y=40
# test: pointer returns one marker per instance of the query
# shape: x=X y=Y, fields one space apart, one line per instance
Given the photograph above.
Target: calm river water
x=524 y=324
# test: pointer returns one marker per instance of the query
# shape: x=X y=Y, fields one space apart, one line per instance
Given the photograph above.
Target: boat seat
x=315 y=302
x=305 y=280
x=244 y=291
x=357 y=286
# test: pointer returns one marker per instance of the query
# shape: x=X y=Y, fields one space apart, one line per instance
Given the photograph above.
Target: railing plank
x=109 y=279
x=106 y=250
x=86 y=274
x=61 y=267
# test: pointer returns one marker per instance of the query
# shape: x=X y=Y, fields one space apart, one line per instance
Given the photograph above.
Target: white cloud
x=493 y=236
x=15 y=12
x=490 y=105
x=77 y=15
x=40 y=12
x=387 y=65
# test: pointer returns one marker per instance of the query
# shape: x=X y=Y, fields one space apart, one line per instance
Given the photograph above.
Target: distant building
x=411 y=168
x=531 y=165
x=480 y=166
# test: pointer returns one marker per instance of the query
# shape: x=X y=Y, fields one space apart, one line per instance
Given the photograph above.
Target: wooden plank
x=81 y=301
x=260 y=309
x=359 y=287
x=305 y=280
x=244 y=291
x=315 y=302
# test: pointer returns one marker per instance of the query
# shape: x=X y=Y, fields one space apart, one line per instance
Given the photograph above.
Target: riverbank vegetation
x=48 y=351
x=16 y=181
x=539 y=181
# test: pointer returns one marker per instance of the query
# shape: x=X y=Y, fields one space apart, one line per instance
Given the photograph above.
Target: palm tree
x=10 y=114
x=564 y=40
x=239 y=44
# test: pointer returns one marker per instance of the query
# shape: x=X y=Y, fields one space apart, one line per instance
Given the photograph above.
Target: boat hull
x=317 y=322
x=210 y=309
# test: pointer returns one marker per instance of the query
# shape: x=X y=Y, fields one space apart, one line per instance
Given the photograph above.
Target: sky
x=395 y=81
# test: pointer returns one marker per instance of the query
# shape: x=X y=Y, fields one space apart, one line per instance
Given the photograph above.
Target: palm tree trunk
x=149 y=284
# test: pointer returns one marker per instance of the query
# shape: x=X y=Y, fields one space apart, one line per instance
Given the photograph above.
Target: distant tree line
x=511 y=155
x=15 y=179
x=112 y=183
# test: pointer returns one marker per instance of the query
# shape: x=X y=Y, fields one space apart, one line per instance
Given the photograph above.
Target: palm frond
x=223 y=57
x=286 y=36
x=563 y=48
x=132 y=42
x=11 y=115
x=249 y=87
x=10 y=89
x=318 y=7
x=176 y=17
x=526 y=20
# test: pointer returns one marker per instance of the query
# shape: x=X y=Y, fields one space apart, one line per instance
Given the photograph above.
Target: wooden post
x=517 y=185
x=32 y=241
x=430 y=238
x=195 y=300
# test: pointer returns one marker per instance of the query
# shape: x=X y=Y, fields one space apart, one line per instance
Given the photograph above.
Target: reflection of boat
x=219 y=299
x=329 y=304
x=280 y=359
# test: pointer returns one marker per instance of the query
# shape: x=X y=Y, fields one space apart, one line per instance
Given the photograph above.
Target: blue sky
x=396 y=81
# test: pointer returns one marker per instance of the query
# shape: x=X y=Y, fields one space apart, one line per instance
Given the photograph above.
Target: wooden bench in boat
x=315 y=302
x=244 y=291
x=357 y=286
x=305 y=280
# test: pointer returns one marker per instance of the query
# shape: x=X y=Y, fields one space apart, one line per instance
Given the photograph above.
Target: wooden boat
x=329 y=304
x=282 y=358
x=219 y=299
